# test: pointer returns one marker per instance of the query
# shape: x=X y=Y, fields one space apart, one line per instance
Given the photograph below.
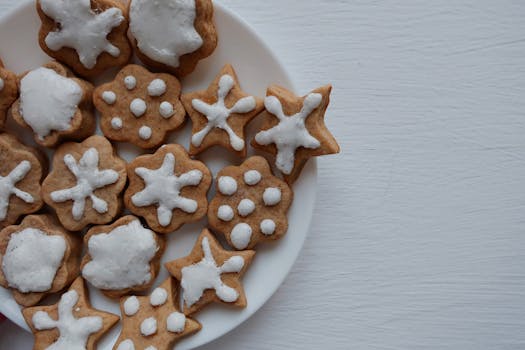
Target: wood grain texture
x=418 y=238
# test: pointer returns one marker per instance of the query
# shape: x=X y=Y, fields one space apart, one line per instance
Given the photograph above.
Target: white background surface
x=418 y=240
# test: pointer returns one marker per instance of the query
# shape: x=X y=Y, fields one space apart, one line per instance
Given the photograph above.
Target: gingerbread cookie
x=250 y=205
x=220 y=114
x=38 y=257
x=85 y=183
x=8 y=91
x=154 y=322
x=123 y=257
x=139 y=107
x=168 y=189
x=293 y=129
x=210 y=274
x=173 y=35
x=21 y=172
x=55 y=105
x=72 y=324
x=88 y=36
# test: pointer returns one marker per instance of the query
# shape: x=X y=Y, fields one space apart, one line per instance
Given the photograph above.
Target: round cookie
x=8 y=92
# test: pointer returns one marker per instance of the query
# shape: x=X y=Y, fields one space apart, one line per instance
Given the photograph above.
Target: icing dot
x=158 y=297
x=138 y=107
x=109 y=97
x=272 y=196
x=225 y=213
x=2 y=84
x=126 y=345
x=252 y=177
x=241 y=236
x=268 y=227
x=157 y=87
x=151 y=347
x=148 y=326
x=130 y=81
x=116 y=123
x=166 y=109
x=145 y=132
x=227 y=185
x=131 y=306
x=176 y=322
x=246 y=207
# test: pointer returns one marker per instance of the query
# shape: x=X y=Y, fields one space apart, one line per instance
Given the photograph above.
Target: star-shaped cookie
x=293 y=129
x=220 y=114
x=71 y=323
x=210 y=274
x=154 y=321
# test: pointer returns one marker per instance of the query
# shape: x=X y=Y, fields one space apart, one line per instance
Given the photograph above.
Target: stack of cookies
x=92 y=217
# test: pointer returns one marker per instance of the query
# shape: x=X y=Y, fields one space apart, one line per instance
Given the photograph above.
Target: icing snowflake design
x=163 y=188
x=291 y=132
x=206 y=274
x=218 y=114
x=89 y=178
x=8 y=188
x=74 y=333
x=82 y=29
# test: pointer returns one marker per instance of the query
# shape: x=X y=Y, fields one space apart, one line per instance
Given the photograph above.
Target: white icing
x=227 y=185
x=158 y=297
x=148 y=326
x=89 y=179
x=225 y=213
x=121 y=258
x=272 y=196
x=145 y=132
x=163 y=189
x=246 y=207
x=268 y=227
x=241 y=236
x=170 y=35
x=116 y=123
x=2 y=84
x=166 y=110
x=32 y=259
x=73 y=332
x=8 y=187
x=82 y=29
x=131 y=306
x=176 y=322
x=157 y=87
x=126 y=345
x=109 y=97
x=206 y=274
x=291 y=132
x=218 y=114
x=138 y=107
x=130 y=82
x=252 y=177
x=151 y=347
x=48 y=101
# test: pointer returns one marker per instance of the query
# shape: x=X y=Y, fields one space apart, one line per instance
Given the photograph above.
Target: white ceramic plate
x=257 y=68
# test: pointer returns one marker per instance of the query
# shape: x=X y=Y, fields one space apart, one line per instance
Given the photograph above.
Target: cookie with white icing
x=8 y=92
x=55 y=105
x=154 y=321
x=172 y=35
x=38 y=258
x=167 y=188
x=250 y=205
x=85 y=184
x=220 y=114
x=89 y=36
x=139 y=106
x=123 y=257
x=72 y=323
x=293 y=129
x=210 y=274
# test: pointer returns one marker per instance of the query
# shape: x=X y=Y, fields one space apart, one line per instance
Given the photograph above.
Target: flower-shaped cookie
x=293 y=129
x=250 y=205
x=38 y=258
x=220 y=114
x=140 y=107
x=8 y=91
x=85 y=183
x=167 y=188
x=55 y=105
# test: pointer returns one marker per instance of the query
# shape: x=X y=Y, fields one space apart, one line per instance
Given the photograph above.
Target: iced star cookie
x=38 y=258
x=172 y=35
x=123 y=257
x=168 y=189
x=85 y=184
x=154 y=321
x=55 y=105
x=210 y=274
x=220 y=114
x=8 y=92
x=87 y=35
x=293 y=129
x=250 y=205
x=71 y=324
x=139 y=107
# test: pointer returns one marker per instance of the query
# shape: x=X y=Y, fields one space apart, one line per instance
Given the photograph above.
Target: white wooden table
x=418 y=240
